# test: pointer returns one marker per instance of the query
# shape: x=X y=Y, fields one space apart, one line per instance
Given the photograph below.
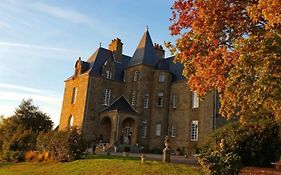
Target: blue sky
x=40 y=41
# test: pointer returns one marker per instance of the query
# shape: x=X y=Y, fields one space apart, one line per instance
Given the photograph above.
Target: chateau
x=136 y=100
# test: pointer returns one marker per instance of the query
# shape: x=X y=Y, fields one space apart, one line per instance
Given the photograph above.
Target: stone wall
x=76 y=109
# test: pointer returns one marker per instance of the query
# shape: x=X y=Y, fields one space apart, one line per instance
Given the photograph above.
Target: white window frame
x=74 y=95
x=195 y=100
x=174 y=101
x=194 y=130
x=160 y=98
x=144 y=129
x=70 y=121
x=134 y=98
x=161 y=78
x=173 y=132
x=108 y=74
x=106 y=97
x=158 y=129
x=146 y=100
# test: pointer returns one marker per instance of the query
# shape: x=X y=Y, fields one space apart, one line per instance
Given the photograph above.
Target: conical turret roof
x=145 y=53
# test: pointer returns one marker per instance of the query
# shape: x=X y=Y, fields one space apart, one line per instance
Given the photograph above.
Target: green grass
x=100 y=165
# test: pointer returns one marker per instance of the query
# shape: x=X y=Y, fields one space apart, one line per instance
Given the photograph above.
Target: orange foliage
x=214 y=36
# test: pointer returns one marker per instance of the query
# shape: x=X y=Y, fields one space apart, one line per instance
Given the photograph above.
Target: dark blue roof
x=121 y=105
x=175 y=68
x=102 y=55
x=145 y=52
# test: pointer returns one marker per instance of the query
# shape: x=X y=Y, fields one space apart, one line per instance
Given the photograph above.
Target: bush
x=156 y=150
x=127 y=149
x=21 y=140
x=256 y=142
x=13 y=156
x=36 y=156
x=62 y=145
x=219 y=162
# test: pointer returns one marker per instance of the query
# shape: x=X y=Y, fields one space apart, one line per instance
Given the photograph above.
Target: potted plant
x=126 y=151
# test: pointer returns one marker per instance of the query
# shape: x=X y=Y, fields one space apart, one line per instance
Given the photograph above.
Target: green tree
x=18 y=133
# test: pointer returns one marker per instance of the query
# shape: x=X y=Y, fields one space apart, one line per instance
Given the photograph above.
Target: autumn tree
x=233 y=46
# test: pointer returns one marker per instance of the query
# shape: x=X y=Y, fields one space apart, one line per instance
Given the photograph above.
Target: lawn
x=99 y=165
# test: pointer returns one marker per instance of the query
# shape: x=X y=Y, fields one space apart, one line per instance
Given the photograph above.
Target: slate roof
x=102 y=55
x=121 y=105
x=145 y=52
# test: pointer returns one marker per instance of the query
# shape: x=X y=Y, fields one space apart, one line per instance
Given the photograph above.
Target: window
x=136 y=76
x=144 y=129
x=70 y=121
x=160 y=96
x=194 y=130
x=106 y=97
x=74 y=95
x=134 y=98
x=195 y=100
x=158 y=129
x=174 y=101
x=124 y=78
x=173 y=134
x=108 y=74
x=145 y=101
x=161 y=78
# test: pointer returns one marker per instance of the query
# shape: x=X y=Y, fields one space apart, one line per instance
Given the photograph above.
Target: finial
x=100 y=44
x=146 y=28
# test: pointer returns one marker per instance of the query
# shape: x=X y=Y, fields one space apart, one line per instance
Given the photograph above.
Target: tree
x=232 y=46
x=30 y=117
x=18 y=132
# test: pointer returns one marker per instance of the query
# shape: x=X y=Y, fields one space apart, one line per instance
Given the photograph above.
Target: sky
x=40 y=41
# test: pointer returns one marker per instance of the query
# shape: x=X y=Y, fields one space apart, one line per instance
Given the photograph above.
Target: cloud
x=66 y=14
x=22 y=88
x=11 y=95
x=30 y=46
x=4 y=25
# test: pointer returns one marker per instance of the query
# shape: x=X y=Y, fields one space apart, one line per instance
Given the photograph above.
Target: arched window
x=70 y=121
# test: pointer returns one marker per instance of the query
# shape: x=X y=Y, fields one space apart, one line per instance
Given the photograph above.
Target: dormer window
x=136 y=76
x=108 y=69
x=108 y=74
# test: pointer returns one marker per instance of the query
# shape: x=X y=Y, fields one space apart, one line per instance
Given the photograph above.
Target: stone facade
x=136 y=100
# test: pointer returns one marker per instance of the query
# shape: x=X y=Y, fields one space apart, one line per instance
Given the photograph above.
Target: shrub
x=127 y=149
x=21 y=140
x=13 y=156
x=62 y=145
x=156 y=150
x=249 y=141
x=219 y=161
x=36 y=156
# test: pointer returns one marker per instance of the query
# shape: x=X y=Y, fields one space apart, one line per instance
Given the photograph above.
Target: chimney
x=116 y=47
x=160 y=52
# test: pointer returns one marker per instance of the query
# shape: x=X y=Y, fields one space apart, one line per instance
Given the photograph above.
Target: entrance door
x=127 y=135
